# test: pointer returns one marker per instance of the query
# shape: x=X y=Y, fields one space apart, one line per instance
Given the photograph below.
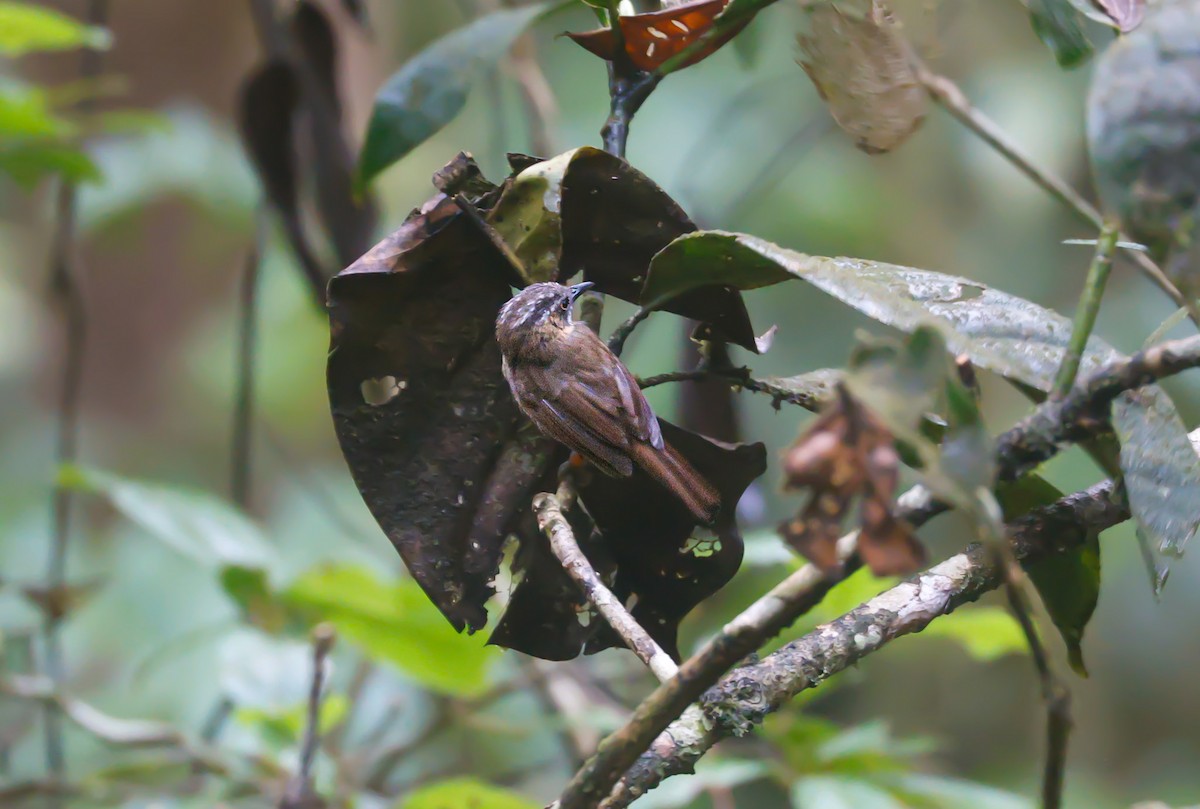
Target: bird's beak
x=579 y=289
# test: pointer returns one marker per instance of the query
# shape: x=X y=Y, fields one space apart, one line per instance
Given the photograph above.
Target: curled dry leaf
x=862 y=68
x=847 y=453
x=653 y=38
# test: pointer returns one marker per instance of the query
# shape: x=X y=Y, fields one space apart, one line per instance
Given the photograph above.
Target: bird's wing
x=628 y=409
x=573 y=414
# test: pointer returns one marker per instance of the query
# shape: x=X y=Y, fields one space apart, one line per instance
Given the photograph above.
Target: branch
x=1037 y=437
x=64 y=286
x=299 y=793
x=762 y=620
x=749 y=693
x=562 y=542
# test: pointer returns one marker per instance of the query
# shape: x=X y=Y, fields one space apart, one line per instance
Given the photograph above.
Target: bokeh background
x=743 y=142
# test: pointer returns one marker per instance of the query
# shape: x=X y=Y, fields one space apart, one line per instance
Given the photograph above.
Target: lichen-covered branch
x=1075 y=417
x=744 y=697
x=562 y=542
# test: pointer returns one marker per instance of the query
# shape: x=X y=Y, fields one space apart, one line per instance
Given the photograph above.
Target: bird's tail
x=672 y=470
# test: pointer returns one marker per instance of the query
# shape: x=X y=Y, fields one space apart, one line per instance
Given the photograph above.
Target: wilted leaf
x=419 y=404
x=1057 y=23
x=267 y=107
x=393 y=622
x=614 y=220
x=465 y=793
x=657 y=36
x=528 y=217
x=996 y=331
x=1125 y=14
x=26 y=28
x=318 y=44
x=1143 y=127
x=350 y=218
x=431 y=88
x=862 y=68
x=194 y=523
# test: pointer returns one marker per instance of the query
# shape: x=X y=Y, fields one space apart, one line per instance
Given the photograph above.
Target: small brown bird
x=580 y=394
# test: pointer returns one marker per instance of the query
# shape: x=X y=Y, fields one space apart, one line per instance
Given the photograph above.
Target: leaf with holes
x=419 y=404
x=431 y=88
x=996 y=331
x=656 y=37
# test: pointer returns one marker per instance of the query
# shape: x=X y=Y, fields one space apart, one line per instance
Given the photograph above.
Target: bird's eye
x=565 y=304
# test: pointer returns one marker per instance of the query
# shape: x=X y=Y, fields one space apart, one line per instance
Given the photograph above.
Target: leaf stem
x=1089 y=307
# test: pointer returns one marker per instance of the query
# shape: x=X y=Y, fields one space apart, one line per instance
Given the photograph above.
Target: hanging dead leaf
x=267 y=107
x=861 y=67
x=653 y=38
x=848 y=453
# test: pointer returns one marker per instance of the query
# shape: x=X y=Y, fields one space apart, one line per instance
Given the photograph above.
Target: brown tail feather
x=672 y=470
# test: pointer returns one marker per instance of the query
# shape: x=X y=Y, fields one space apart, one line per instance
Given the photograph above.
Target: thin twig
x=65 y=288
x=299 y=793
x=562 y=542
x=946 y=93
x=616 y=340
x=1088 y=308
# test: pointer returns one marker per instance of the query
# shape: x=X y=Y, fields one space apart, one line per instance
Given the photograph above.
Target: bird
x=578 y=392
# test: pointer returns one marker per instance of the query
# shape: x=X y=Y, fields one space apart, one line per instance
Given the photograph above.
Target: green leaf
x=996 y=331
x=954 y=793
x=394 y=622
x=900 y=382
x=1068 y=583
x=465 y=793
x=26 y=28
x=283 y=728
x=840 y=792
x=24 y=113
x=1160 y=475
x=985 y=633
x=193 y=522
x=28 y=163
x=1057 y=24
x=676 y=793
x=431 y=88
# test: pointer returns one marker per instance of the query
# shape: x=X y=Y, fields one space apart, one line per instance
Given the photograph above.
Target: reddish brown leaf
x=1125 y=14
x=655 y=37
